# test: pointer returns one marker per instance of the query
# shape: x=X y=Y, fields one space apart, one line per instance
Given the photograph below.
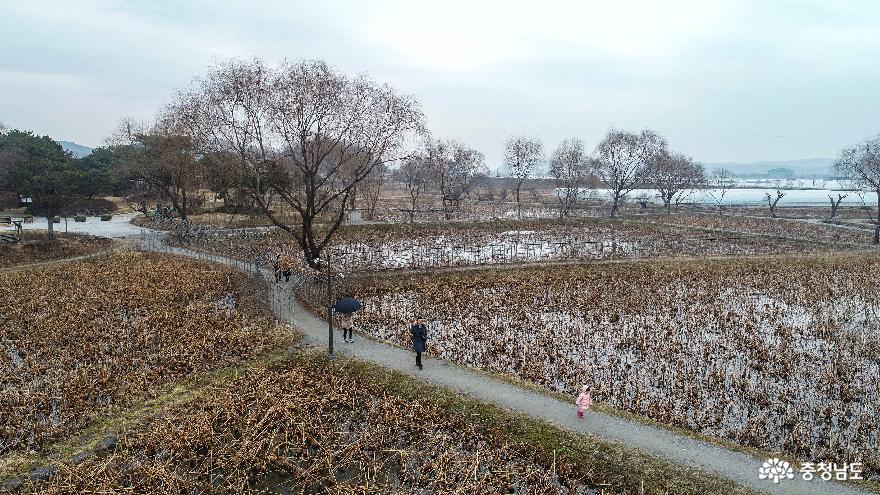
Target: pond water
x=749 y=196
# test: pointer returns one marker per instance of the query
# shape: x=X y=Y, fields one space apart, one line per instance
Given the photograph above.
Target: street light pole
x=329 y=307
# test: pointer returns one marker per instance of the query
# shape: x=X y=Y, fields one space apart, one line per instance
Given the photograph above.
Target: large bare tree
x=521 y=155
x=862 y=164
x=303 y=131
x=570 y=168
x=454 y=167
x=625 y=160
x=675 y=176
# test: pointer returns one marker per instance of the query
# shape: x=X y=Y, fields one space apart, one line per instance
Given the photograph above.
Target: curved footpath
x=735 y=466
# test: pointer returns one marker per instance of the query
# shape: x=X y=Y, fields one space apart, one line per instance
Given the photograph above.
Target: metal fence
x=497 y=248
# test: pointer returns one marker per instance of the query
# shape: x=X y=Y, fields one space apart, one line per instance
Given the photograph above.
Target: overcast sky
x=722 y=80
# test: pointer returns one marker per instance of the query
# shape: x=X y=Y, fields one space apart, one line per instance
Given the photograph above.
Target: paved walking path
x=735 y=466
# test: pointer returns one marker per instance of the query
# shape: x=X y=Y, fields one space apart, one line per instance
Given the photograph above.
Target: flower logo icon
x=775 y=469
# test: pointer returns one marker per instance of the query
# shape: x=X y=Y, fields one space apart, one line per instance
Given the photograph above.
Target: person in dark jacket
x=419 y=340
x=277 y=266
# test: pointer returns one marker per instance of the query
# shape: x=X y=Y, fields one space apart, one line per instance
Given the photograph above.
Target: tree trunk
x=877 y=223
x=182 y=210
x=447 y=210
x=50 y=225
x=412 y=210
x=615 y=205
x=518 y=207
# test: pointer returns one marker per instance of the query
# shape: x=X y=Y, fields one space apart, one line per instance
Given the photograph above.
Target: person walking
x=277 y=266
x=419 y=339
x=347 y=328
x=584 y=401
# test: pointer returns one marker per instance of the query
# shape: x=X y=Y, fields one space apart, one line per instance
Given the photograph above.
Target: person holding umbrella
x=419 y=339
x=345 y=307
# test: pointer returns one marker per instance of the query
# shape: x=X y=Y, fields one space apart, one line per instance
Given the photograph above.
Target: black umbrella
x=347 y=305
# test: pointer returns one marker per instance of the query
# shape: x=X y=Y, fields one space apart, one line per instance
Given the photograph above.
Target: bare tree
x=721 y=181
x=454 y=167
x=625 y=162
x=126 y=132
x=676 y=176
x=415 y=174
x=483 y=187
x=521 y=155
x=569 y=166
x=370 y=189
x=835 y=204
x=862 y=163
x=304 y=131
x=166 y=164
x=773 y=202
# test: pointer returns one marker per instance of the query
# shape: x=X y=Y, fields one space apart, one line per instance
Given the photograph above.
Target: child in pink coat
x=584 y=401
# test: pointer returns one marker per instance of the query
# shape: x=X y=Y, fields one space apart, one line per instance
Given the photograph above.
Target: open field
x=779 y=354
x=84 y=338
x=38 y=249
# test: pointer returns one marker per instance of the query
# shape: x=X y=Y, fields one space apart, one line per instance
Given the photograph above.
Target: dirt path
x=735 y=466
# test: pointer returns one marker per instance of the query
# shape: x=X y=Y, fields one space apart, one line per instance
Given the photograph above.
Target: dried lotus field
x=814 y=230
x=781 y=354
x=145 y=373
x=429 y=246
x=82 y=339
x=303 y=425
x=37 y=249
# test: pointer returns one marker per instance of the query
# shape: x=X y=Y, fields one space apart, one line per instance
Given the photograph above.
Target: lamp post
x=329 y=307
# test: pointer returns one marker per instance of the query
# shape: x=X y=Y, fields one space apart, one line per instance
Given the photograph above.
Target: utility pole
x=329 y=307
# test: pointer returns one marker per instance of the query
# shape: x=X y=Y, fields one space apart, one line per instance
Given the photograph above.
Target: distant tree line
x=37 y=167
x=302 y=142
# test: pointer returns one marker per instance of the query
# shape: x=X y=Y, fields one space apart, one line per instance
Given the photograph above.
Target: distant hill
x=77 y=150
x=802 y=169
